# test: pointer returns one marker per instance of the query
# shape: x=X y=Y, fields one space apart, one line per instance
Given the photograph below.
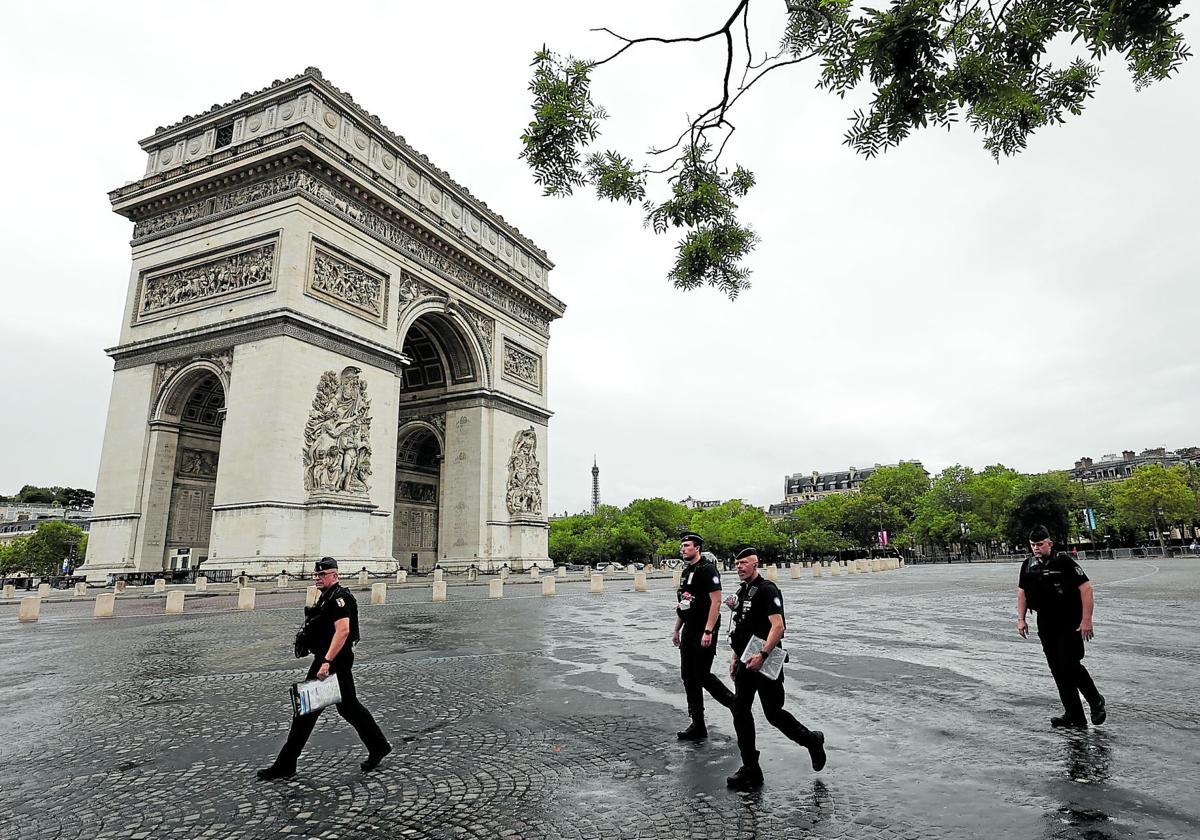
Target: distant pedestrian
x=330 y=633
x=758 y=614
x=697 y=628
x=1056 y=588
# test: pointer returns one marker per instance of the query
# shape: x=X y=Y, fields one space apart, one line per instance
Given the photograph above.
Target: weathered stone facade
x=312 y=306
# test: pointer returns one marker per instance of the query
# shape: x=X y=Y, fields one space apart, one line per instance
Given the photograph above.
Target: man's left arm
x=773 y=637
x=714 y=612
x=341 y=632
x=1089 y=602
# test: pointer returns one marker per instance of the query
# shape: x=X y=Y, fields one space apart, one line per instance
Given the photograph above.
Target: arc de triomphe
x=328 y=347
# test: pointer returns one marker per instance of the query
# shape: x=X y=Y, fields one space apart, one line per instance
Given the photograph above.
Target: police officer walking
x=697 y=623
x=330 y=632
x=1056 y=588
x=758 y=614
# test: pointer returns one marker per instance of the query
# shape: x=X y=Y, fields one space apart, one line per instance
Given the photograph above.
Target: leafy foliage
x=923 y=62
x=42 y=552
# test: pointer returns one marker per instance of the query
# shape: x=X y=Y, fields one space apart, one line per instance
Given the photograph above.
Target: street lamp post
x=71 y=543
x=1158 y=516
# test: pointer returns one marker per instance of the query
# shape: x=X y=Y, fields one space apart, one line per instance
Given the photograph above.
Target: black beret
x=1039 y=533
x=693 y=538
x=748 y=551
x=325 y=563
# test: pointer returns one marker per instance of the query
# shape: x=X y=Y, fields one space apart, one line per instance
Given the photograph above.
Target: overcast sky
x=930 y=304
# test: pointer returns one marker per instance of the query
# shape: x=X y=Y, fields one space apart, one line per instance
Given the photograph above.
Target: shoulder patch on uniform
x=778 y=603
x=341 y=602
x=717 y=580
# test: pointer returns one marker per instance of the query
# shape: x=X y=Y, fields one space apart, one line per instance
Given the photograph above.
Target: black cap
x=1039 y=533
x=692 y=538
x=748 y=551
x=325 y=563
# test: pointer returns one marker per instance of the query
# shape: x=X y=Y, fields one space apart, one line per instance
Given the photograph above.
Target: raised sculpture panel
x=337 y=437
x=522 y=366
x=346 y=283
x=524 y=494
x=238 y=272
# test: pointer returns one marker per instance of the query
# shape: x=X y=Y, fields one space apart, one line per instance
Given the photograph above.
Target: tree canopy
x=42 y=552
x=921 y=63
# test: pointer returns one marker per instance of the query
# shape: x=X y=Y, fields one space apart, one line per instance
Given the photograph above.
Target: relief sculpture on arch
x=337 y=450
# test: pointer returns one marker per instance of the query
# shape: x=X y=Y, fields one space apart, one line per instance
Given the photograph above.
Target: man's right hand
x=675 y=638
x=1022 y=628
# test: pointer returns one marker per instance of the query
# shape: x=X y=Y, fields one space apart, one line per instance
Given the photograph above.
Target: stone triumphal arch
x=328 y=347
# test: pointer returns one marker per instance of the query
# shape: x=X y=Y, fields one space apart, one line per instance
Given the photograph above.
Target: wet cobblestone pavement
x=534 y=717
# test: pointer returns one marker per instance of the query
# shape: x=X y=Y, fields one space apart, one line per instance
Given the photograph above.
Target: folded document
x=314 y=695
x=773 y=665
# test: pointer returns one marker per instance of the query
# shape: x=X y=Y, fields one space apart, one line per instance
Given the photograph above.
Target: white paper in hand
x=314 y=695
x=772 y=666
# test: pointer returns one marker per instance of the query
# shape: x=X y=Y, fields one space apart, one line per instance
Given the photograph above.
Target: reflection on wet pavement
x=536 y=717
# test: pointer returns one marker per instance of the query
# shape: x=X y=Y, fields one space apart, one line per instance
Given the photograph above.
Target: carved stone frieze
x=416 y=491
x=524 y=492
x=304 y=183
x=199 y=283
x=485 y=330
x=337 y=437
x=197 y=463
x=413 y=290
x=347 y=284
x=522 y=366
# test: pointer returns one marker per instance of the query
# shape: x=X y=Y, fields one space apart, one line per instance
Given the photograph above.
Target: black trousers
x=354 y=712
x=1064 y=655
x=746 y=684
x=695 y=668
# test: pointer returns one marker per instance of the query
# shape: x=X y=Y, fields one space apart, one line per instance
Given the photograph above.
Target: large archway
x=188 y=429
x=418 y=496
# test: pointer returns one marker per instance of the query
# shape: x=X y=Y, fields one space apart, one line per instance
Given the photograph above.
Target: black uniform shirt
x=699 y=579
x=335 y=602
x=757 y=601
x=1052 y=591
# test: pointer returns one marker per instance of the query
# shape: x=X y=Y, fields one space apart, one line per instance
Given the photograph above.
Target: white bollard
x=401 y=576
x=439 y=591
x=175 y=602
x=495 y=589
x=282 y=582
x=504 y=573
x=548 y=586
x=597 y=584
x=794 y=571
x=438 y=574
x=10 y=591
x=201 y=584
x=119 y=587
x=816 y=570
x=677 y=578
x=562 y=572
x=246 y=597
x=639 y=581
x=378 y=594
x=772 y=574
x=80 y=589
x=311 y=594
x=535 y=573
x=160 y=585
x=363 y=579
x=835 y=569
x=31 y=605
x=104 y=605
x=43 y=590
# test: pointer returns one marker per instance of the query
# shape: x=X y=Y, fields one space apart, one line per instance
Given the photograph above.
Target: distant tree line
x=43 y=551
x=957 y=511
x=73 y=498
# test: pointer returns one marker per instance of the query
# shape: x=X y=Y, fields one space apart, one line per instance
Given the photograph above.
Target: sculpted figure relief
x=524 y=475
x=223 y=276
x=337 y=449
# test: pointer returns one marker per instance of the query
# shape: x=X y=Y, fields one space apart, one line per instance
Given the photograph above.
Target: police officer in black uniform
x=330 y=631
x=758 y=613
x=697 y=623
x=1055 y=587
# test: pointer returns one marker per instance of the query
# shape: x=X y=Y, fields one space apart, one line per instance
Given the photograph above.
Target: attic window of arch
x=224 y=136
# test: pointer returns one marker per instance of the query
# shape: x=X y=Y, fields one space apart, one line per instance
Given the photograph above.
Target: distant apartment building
x=703 y=504
x=1119 y=467
x=801 y=488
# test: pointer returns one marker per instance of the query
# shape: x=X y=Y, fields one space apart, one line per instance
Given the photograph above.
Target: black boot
x=695 y=732
x=1065 y=722
x=816 y=749
x=270 y=774
x=747 y=777
x=1099 y=713
x=374 y=758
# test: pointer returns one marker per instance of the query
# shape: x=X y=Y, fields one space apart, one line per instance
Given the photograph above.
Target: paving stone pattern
x=534 y=717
